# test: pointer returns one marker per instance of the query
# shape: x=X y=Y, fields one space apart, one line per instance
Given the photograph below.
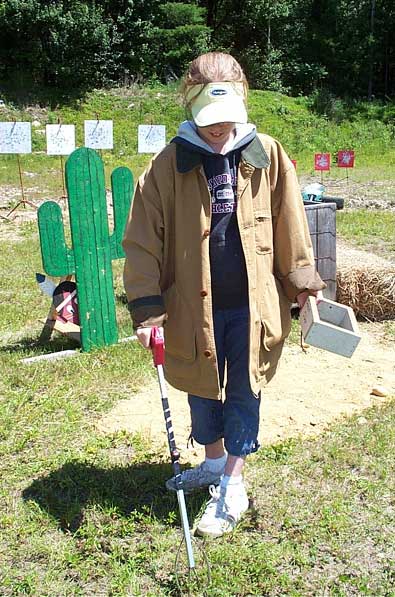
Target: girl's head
x=215 y=89
x=214 y=67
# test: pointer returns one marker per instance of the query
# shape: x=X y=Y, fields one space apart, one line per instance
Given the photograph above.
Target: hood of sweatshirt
x=188 y=136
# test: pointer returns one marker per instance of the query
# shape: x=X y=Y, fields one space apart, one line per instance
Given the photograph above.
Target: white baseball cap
x=217 y=102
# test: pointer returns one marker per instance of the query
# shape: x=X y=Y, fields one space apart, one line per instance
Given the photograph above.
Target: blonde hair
x=213 y=67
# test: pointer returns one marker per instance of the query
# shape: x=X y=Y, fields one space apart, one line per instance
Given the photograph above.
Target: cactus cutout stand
x=93 y=247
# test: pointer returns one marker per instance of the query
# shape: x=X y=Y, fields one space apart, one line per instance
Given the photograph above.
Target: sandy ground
x=310 y=390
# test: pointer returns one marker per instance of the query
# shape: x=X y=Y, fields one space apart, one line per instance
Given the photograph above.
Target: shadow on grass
x=121 y=298
x=36 y=346
x=65 y=493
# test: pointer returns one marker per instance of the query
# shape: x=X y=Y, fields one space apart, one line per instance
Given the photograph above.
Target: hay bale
x=369 y=291
x=365 y=282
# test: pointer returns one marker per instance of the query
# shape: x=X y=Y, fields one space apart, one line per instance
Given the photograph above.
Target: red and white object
x=330 y=326
x=322 y=161
x=66 y=303
x=157 y=345
x=345 y=159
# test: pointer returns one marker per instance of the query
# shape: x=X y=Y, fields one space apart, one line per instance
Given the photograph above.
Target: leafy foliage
x=55 y=43
x=180 y=36
x=346 y=46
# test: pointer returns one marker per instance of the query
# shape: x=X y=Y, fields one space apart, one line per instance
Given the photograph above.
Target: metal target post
x=15 y=138
x=23 y=201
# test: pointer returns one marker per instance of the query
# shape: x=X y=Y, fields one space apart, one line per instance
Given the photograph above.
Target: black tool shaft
x=176 y=466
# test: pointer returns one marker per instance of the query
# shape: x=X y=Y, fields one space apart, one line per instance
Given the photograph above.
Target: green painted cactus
x=93 y=247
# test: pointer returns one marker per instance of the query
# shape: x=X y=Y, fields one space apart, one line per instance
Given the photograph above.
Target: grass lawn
x=371 y=230
x=83 y=514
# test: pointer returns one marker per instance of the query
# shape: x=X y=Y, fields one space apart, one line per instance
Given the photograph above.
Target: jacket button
x=203 y=293
x=206 y=233
x=207 y=353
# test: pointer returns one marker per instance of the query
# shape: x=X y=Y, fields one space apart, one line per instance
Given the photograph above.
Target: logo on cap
x=218 y=92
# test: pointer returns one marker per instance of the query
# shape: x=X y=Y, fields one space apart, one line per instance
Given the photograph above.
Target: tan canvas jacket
x=167 y=267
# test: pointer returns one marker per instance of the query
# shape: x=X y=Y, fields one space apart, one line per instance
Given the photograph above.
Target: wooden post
x=64 y=196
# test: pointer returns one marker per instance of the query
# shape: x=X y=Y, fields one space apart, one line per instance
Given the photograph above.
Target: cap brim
x=227 y=111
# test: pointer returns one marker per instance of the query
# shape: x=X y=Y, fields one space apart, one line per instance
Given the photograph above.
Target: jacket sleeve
x=143 y=245
x=294 y=263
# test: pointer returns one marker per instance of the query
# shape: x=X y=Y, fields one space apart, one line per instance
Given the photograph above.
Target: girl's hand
x=144 y=336
x=302 y=297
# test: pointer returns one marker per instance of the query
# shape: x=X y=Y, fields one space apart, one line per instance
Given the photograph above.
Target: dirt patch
x=350 y=257
x=10 y=196
x=310 y=391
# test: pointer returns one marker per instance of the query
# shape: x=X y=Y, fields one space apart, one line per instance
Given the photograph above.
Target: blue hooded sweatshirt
x=229 y=283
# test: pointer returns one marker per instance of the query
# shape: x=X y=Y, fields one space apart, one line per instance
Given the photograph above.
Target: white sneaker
x=196 y=478
x=223 y=511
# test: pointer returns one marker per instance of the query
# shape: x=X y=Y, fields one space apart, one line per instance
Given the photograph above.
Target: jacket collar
x=253 y=154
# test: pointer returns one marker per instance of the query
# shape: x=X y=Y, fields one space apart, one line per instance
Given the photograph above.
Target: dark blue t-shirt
x=228 y=270
x=229 y=283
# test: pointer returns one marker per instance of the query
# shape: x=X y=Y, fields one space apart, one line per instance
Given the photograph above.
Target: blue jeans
x=236 y=419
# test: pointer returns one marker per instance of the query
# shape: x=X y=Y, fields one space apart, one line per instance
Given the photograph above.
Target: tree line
x=346 y=47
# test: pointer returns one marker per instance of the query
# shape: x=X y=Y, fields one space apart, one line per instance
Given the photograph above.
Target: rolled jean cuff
x=242 y=449
x=207 y=417
x=241 y=428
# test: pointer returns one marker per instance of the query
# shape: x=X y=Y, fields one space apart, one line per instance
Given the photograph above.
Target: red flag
x=322 y=161
x=345 y=159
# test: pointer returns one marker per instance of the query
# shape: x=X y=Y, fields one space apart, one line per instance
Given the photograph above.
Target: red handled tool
x=199 y=575
x=157 y=345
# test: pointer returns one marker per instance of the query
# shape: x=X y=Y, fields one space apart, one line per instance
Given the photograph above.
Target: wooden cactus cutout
x=93 y=247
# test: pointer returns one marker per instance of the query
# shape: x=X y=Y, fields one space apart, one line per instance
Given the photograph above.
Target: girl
x=217 y=247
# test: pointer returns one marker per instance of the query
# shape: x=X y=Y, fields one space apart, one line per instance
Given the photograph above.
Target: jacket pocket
x=179 y=330
x=275 y=312
x=263 y=231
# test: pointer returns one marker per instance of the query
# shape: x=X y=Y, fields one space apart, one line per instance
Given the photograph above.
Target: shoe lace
x=192 y=473
x=217 y=501
x=214 y=491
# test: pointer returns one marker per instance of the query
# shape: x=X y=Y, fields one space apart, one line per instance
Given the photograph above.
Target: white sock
x=231 y=481
x=216 y=465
